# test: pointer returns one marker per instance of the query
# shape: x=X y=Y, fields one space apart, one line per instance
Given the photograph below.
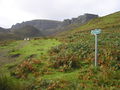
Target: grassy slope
x=78 y=47
x=23 y=50
x=80 y=41
x=36 y=48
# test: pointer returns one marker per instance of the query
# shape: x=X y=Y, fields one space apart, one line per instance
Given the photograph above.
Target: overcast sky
x=16 y=11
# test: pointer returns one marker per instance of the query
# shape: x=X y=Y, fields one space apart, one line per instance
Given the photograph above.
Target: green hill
x=19 y=34
x=66 y=61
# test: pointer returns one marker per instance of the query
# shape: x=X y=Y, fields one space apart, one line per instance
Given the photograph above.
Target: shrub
x=65 y=62
x=26 y=67
x=103 y=77
x=46 y=84
x=69 y=56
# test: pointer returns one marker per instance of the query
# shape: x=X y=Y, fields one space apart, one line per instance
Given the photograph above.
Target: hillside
x=35 y=28
x=66 y=61
x=27 y=31
x=20 y=34
x=2 y=30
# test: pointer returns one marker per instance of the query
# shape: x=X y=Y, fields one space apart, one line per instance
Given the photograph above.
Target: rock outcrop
x=79 y=20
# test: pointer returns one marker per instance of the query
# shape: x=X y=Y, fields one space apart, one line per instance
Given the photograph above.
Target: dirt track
x=5 y=58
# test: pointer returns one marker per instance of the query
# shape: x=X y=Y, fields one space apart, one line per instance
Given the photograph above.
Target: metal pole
x=96 y=50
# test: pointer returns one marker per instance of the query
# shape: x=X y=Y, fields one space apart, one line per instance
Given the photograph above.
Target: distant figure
x=26 y=39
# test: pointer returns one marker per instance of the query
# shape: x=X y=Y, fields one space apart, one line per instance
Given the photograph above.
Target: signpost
x=96 y=32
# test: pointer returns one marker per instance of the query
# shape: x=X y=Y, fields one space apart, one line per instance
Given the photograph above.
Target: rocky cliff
x=79 y=20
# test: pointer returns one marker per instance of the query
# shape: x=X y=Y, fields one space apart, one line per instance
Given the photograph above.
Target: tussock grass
x=8 y=83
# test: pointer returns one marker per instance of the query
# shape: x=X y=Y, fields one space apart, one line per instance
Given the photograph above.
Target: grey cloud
x=62 y=9
x=59 y=9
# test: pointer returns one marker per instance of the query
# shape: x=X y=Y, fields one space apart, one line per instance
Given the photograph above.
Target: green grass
x=8 y=83
x=8 y=44
x=34 y=48
x=71 y=76
x=39 y=47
